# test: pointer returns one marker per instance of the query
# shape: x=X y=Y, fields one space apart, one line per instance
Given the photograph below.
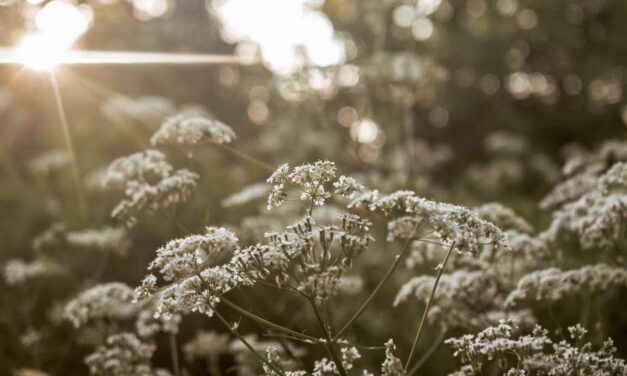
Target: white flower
x=124 y=354
x=551 y=285
x=412 y=215
x=311 y=179
x=149 y=183
x=347 y=187
x=191 y=130
x=184 y=257
x=17 y=271
x=107 y=301
x=106 y=239
x=392 y=366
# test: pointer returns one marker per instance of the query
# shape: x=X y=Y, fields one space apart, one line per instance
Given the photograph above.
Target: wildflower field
x=313 y=187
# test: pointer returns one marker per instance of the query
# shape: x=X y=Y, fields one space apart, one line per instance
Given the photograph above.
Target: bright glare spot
x=290 y=33
x=62 y=22
x=364 y=131
x=60 y=25
x=39 y=51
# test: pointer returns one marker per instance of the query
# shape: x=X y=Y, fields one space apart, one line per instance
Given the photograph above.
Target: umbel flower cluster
x=502 y=349
x=191 y=130
x=149 y=183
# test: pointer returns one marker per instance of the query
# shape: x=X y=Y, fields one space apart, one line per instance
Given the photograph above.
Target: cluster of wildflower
x=107 y=301
x=185 y=262
x=147 y=325
x=497 y=345
x=615 y=179
x=582 y=172
x=313 y=179
x=106 y=239
x=597 y=220
x=318 y=273
x=149 y=183
x=494 y=344
x=392 y=366
x=53 y=160
x=551 y=285
x=250 y=193
x=124 y=354
x=464 y=299
x=17 y=272
x=414 y=216
x=192 y=130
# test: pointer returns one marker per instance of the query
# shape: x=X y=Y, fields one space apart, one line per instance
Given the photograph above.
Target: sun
x=41 y=52
x=59 y=25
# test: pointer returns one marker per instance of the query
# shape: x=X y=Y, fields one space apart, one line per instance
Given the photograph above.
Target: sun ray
x=68 y=142
x=15 y=56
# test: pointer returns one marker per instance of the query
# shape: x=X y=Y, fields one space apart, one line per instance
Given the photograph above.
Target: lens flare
x=59 y=25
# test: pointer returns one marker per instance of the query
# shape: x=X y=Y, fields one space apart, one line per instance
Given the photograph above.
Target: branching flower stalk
x=397 y=260
x=428 y=306
x=235 y=332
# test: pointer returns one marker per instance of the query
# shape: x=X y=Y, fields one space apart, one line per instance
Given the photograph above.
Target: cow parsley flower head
x=614 y=180
x=413 y=216
x=316 y=181
x=347 y=187
x=511 y=353
x=191 y=130
x=150 y=166
x=392 y=366
x=149 y=183
x=107 y=301
x=147 y=325
x=123 y=354
x=18 y=271
x=552 y=285
x=464 y=299
x=183 y=257
x=595 y=221
x=106 y=239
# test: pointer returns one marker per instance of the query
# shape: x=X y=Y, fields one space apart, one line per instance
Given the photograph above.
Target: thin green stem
x=329 y=341
x=429 y=301
x=267 y=323
x=427 y=354
x=372 y=295
x=174 y=355
x=244 y=341
x=213 y=365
